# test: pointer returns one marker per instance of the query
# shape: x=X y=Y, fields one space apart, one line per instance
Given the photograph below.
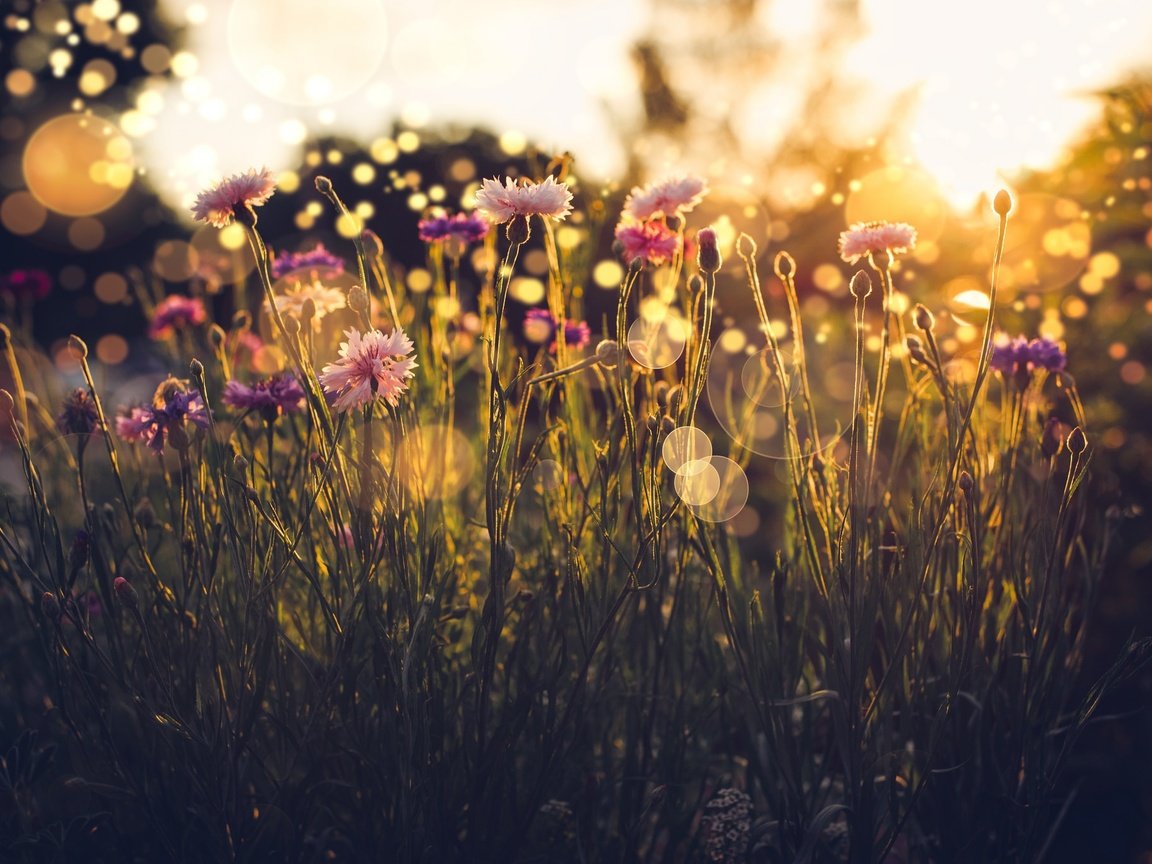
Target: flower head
x=464 y=228
x=26 y=284
x=78 y=415
x=1020 y=358
x=173 y=407
x=370 y=365
x=672 y=197
x=176 y=312
x=652 y=241
x=872 y=238
x=727 y=825
x=315 y=260
x=324 y=300
x=280 y=394
x=540 y=327
x=218 y=205
x=502 y=203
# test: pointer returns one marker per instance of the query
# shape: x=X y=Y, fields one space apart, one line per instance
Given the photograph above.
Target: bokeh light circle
x=78 y=165
x=731 y=491
x=318 y=64
x=686 y=450
x=699 y=483
x=658 y=343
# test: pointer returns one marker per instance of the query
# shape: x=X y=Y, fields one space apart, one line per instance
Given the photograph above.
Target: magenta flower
x=463 y=227
x=280 y=394
x=78 y=414
x=218 y=205
x=26 y=284
x=370 y=365
x=540 y=328
x=317 y=260
x=1020 y=358
x=652 y=241
x=672 y=197
x=872 y=238
x=166 y=419
x=176 y=312
x=503 y=203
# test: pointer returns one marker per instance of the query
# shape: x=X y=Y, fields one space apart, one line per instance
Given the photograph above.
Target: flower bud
x=242 y=320
x=923 y=318
x=861 y=285
x=784 y=265
x=373 y=245
x=916 y=350
x=745 y=246
x=519 y=230
x=323 y=185
x=125 y=593
x=674 y=222
x=145 y=514
x=196 y=368
x=308 y=309
x=707 y=252
x=1002 y=203
x=695 y=284
x=667 y=424
x=240 y=464
x=50 y=606
x=967 y=484
x=1077 y=441
x=608 y=353
x=217 y=336
x=291 y=326
x=357 y=299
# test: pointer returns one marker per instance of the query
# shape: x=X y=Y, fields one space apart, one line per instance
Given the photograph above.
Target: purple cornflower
x=26 y=284
x=540 y=328
x=175 y=313
x=463 y=227
x=1019 y=357
x=318 y=260
x=78 y=414
x=280 y=394
x=174 y=406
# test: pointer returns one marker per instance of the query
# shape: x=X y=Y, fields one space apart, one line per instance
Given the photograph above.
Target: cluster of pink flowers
x=176 y=312
x=541 y=327
x=166 y=419
x=271 y=397
x=649 y=225
x=463 y=228
x=871 y=238
x=217 y=206
x=651 y=241
x=500 y=203
x=316 y=262
x=672 y=197
x=371 y=365
x=1020 y=357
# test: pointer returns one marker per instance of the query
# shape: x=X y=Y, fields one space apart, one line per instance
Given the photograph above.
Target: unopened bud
x=608 y=353
x=145 y=514
x=125 y=593
x=196 y=368
x=323 y=185
x=1002 y=203
x=251 y=494
x=966 y=483
x=745 y=246
x=635 y=266
x=308 y=309
x=216 y=336
x=242 y=320
x=674 y=222
x=240 y=464
x=667 y=424
x=653 y=424
x=785 y=265
x=861 y=285
x=50 y=606
x=1077 y=441
x=291 y=326
x=357 y=299
x=707 y=252
x=923 y=318
x=373 y=245
x=916 y=350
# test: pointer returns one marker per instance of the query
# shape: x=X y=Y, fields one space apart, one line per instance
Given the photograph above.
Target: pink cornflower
x=218 y=205
x=175 y=313
x=652 y=241
x=872 y=238
x=503 y=203
x=672 y=197
x=280 y=394
x=324 y=299
x=370 y=365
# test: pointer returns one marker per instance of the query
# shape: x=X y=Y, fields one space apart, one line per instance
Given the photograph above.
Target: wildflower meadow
x=376 y=575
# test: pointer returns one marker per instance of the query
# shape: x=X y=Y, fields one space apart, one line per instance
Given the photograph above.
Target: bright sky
x=1001 y=83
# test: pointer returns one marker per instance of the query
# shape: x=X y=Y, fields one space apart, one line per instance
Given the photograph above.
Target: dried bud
x=1077 y=441
x=923 y=318
x=196 y=368
x=608 y=353
x=1052 y=440
x=745 y=246
x=634 y=267
x=519 y=230
x=373 y=245
x=144 y=514
x=784 y=265
x=861 y=285
x=967 y=484
x=695 y=284
x=308 y=309
x=242 y=320
x=357 y=299
x=707 y=251
x=217 y=336
x=323 y=185
x=1002 y=203
x=125 y=593
x=291 y=326
x=916 y=350
x=50 y=606
x=78 y=346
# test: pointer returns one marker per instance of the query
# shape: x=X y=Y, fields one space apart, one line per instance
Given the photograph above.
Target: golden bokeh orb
x=78 y=165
